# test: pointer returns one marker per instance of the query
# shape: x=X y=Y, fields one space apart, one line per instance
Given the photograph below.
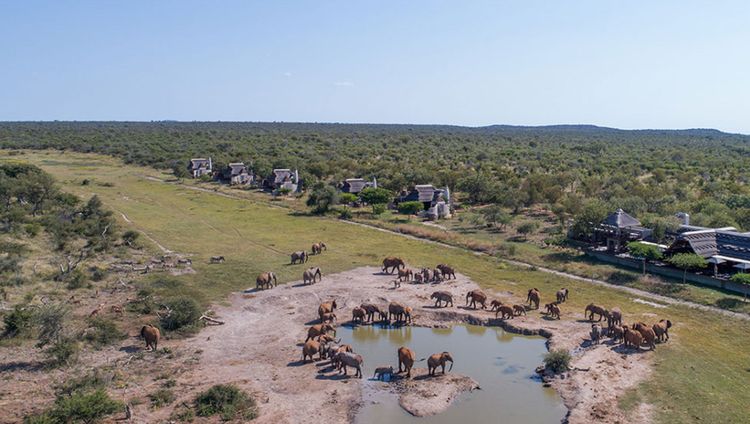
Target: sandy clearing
x=259 y=349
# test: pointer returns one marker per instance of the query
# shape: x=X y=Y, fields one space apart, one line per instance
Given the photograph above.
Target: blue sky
x=665 y=64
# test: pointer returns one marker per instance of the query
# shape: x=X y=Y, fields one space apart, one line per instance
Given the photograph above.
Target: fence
x=703 y=280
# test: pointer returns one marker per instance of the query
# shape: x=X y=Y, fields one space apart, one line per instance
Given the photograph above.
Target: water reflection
x=502 y=363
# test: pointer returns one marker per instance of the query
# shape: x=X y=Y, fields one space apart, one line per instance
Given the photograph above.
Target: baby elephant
x=381 y=372
x=596 y=333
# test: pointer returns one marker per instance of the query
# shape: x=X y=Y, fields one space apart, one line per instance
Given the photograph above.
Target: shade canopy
x=715 y=260
x=743 y=266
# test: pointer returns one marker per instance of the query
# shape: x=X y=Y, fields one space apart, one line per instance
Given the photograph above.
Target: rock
x=424 y=396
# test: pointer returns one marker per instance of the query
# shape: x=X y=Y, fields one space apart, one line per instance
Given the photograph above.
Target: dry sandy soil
x=259 y=349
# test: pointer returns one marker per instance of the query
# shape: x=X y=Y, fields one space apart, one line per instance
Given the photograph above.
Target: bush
x=227 y=401
x=19 y=322
x=410 y=208
x=347 y=198
x=130 y=238
x=161 y=397
x=346 y=213
x=378 y=209
x=98 y=274
x=62 y=352
x=32 y=229
x=322 y=198
x=102 y=332
x=74 y=280
x=79 y=407
x=185 y=312
x=557 y=360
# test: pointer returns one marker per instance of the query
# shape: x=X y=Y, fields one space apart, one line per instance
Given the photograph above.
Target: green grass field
x=701 y=375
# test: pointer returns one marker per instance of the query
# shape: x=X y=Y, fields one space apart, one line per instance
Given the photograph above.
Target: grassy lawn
x=702 y=374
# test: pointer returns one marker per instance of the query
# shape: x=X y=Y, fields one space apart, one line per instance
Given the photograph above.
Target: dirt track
x=259 y=349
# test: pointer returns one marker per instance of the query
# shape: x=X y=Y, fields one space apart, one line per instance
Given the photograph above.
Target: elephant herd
x=311 y=275
x=634 y=336
x=320 y=342
x=397 y=265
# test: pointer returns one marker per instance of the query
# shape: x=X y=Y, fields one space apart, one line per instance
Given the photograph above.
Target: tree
x=494 y=215
x=527 y=228
x=347 y=198
x=410 y=208
x=377 y=197
x=179 y=169
x=322 y=197
x=645 y=252
x=687 y=261
x=590 y=215
x=742 y=278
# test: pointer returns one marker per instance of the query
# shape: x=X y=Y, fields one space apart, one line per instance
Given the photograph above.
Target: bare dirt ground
x=259 y=349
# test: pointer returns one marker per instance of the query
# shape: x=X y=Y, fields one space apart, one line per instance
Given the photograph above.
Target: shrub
x=161 y=397
x=18 y=322
x=130 y=238
x=322 y=197
x=347 y=198
x=226 y=400
x=79 y=407
x=557 y=360
x=378 y=209
x=184 y=312
x=32 y=229
x=98 y=274
x=102 y=332
x=62 y=352
x=74 y=280
x=410 y=208
x=346 y=213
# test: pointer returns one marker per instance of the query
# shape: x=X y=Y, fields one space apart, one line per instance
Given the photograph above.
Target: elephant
x=533 y=296
x=329 y=317
x=495 y=304
x=299 y=256
x=326 y=338
x=371 y=310
x=661 y=329
x=310 y=348
x=326 y=308
x=348 y=359
x=439 y=359
x=266 y=279
x=616 y=333
x=418 y=277
x=447 y=271
x=217 y=259
x=632 y=338
x=358 y=314
x=151 y=335
x=405 y=274
x=553 y=310
x=649 y=336
x=519 y=310
x=381 y=372
x=406 y=357
x=476 y=296
x=333 y=351
x=504 y=311
x=427 y=275
x=393 y=263
x=592 y=309
x=437 y=275
x=562 y=295
x=310 y=274
x=614 y=317
x=318 y=248
x=596 y=333
x=398 y=310
x=319 y=329
x=442 y=297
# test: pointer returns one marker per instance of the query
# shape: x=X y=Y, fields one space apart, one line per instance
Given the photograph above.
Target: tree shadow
x=21 y=366
x=729 y=303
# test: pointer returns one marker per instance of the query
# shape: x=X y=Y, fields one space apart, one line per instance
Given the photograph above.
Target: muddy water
x=502 y=363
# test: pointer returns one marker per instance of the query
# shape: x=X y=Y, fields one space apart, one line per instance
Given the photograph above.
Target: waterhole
x=503 y=363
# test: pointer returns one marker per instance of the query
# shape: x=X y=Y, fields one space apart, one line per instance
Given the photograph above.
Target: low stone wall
x=672 y=273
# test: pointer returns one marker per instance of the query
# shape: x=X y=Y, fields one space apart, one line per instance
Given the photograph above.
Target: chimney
x=296 y=177
x=374 y=182
x=210 y=165
x=684 y=217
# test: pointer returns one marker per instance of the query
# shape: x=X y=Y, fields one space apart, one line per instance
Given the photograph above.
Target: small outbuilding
x=237 y=174
x=283 y=178
x=356 y=185
x=618 y=229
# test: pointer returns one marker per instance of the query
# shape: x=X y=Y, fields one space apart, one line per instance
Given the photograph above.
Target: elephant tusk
x=451 y=367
